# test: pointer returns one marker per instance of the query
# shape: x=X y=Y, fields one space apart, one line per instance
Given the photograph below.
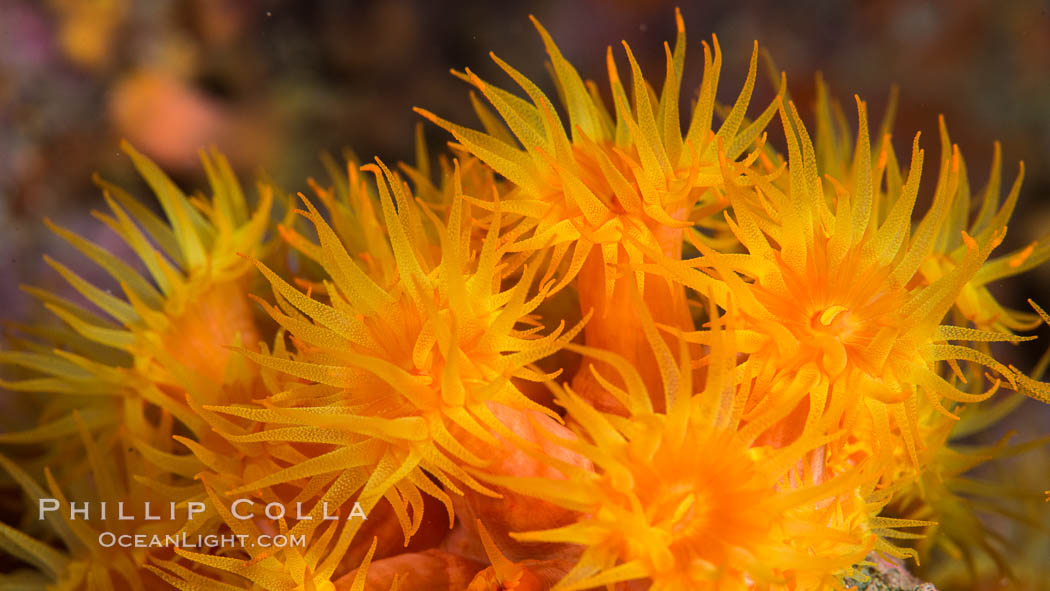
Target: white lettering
x=83 y=511
x=238 y=503
x=279 y=506
x=192 y=508
x=47 y=505
x=357 y=511
x=326 y=516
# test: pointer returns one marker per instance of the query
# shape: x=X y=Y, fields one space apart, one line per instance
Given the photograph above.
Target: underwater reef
x=624 y=336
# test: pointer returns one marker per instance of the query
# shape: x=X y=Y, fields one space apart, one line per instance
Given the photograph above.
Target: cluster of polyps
x=768 y=360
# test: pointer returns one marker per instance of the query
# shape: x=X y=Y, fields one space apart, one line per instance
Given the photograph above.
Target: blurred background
x=274 y=83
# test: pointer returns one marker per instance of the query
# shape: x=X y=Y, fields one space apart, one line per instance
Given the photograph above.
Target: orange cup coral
x=776 y=362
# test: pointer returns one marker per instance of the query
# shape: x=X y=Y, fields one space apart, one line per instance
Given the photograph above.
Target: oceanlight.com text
x=110 y=540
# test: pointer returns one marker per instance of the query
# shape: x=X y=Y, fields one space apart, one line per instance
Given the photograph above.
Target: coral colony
x=590 y=349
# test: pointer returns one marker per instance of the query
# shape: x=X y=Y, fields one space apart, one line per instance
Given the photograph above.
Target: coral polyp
x=612 y=189
x=402 y=375
x=598 y=345
x=683 y=500
x=841 y=330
